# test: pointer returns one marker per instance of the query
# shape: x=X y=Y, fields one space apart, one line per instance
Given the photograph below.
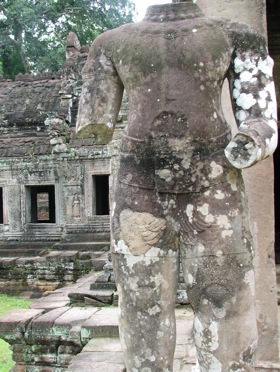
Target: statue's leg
x=219 y=275
x=145 y=261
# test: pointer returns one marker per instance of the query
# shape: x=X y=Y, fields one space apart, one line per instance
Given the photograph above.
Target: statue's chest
x=194 y=47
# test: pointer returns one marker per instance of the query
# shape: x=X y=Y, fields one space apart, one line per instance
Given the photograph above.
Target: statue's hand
x=244 y=150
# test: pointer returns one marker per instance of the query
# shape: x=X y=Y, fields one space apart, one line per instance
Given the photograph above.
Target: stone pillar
x=13 y=203
x=259 y=181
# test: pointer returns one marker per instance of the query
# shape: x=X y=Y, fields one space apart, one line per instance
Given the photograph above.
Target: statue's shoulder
x=240 y=35
x=111 y=38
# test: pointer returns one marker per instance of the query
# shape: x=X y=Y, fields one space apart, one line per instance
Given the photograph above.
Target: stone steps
x=49 y=272
x=53 y=335
x=24 y=249
x=85 y=246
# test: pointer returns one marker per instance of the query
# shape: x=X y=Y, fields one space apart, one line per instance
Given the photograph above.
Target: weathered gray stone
x=48 y=305
x=40 y=329
x=14 y=324
x=179 y=184
x=103 y=324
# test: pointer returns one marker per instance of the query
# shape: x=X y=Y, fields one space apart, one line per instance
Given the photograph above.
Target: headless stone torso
x=175 y=187
x=174 y=86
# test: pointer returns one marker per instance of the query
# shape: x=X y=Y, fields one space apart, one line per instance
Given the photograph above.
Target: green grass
x=8 y=303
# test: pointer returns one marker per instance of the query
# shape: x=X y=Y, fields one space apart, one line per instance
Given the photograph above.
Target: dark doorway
x=42 y=204
x=273 y=31
x=1 y=206
x=101 y=188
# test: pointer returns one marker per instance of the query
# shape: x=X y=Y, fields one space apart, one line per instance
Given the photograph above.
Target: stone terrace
x=62 y=332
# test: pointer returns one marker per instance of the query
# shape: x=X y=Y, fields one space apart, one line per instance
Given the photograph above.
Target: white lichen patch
x=227 y=233
x=200 y=248
x=113 y=209
x=263 y=94
x=165 y=174
x=271 y=144
x=189 y=212
x=214 y=343
x=250 y=280
x=204 y=209
x=219 y=195
x=198 y=329
x=160 y=280
x=266 y=66
x=241 y=115
x=214 y=364
x=237 y=84
x=245 y=76
x=209 y=218
x=191 y=280
x=216 y=170
x=160 y=334
x=223 y=221
x=236 y=93
x=246 y=101
x=271 y=111
x=262 y=103
x=138 y=362
x=232 y=180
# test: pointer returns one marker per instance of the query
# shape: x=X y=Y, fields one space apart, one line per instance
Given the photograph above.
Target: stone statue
x=179 y=187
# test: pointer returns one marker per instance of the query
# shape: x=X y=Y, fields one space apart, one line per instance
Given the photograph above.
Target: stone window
x=1 y=206
x=40 y=204
x=101 y=194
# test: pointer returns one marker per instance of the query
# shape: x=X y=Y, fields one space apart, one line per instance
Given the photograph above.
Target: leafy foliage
x=33 y=32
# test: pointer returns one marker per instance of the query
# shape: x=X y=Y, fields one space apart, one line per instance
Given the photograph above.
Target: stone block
x=41 y=303
x=43 y=349
x=85 y=255
x=102 y=324
x=49 y=359
x=98 y=366
x=14 y=324
x=103 y=278
x=40 y=330
x=108 y=267
x=104 y=297
x=103 y=286
x=66 y=328
x=7 y=262
x=182 y=297
x=111 y=344
x=64 y=360
x=69 y=255
x=99 y=357
x=68 y=349
x=19 y=368
x=98 y=264
x=53 y=255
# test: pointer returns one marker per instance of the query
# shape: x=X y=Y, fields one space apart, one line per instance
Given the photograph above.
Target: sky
x=142 y=5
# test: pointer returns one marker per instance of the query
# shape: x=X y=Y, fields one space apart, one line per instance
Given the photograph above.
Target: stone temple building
x=54 y=188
